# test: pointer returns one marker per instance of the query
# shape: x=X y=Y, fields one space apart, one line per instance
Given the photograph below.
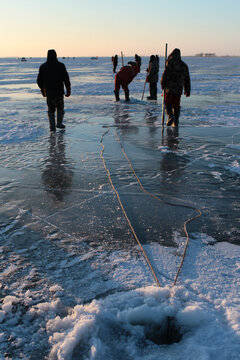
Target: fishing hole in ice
x=166 y=333
x=119 y=323
x=115 y=336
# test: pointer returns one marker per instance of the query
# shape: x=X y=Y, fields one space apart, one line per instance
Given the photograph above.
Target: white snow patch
x=13 y=132
x=8 y=302
x=235 y=167
x=192 y=315
x=164 y=149
x=234 y=146
x=217 y=175
x=120 y=322
x=56 y=289
x=206 y=239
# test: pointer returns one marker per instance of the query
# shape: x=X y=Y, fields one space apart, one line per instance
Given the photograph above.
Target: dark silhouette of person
x=175 y=77
x=51 y=79
x=115 y=63
x=57 y=175
x=151 y=119
x=152 y=77
x=122 y=119
x=171 y=161
x=125 y=76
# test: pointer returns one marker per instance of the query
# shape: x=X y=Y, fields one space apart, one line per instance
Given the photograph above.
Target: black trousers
x=153 y=90
x=54 y=103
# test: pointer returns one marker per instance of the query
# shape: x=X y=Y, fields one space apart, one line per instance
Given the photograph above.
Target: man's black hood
x=175 y=54
x=51 y=56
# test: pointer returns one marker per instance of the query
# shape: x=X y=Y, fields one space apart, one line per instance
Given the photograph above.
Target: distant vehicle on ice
x=206 y=55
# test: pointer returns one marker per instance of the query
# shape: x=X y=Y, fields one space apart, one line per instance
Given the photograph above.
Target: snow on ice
x=74 y=284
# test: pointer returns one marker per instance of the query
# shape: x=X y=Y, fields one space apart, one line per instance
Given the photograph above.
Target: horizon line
x=106 y=56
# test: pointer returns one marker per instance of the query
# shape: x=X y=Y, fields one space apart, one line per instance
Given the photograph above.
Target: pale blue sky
x=106 y=27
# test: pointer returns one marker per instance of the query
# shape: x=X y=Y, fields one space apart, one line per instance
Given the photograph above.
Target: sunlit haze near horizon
x=107 y=27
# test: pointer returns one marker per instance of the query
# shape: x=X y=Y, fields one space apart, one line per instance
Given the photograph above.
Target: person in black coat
x=175 y=79
x=51 y=80
x=115 y=63
x=152 y=78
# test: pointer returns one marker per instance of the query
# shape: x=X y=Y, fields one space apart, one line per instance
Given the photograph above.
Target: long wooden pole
x=144 y=87
x=163 y=101
x=122 y=58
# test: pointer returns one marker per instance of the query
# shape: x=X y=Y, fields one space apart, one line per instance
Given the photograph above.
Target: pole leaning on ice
x=163 y=101
x=144 y=87
x=122 y=58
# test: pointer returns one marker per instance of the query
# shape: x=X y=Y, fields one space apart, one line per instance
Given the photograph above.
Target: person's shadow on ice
x=151 y=120
x=122 y=119
x=170 y=160
x=57 y=174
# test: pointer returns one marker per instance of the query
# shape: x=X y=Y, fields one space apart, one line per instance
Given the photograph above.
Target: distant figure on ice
x=115 y=63
x=152 y=78
x=51 y=80
x=175 y=77
x=125 y=75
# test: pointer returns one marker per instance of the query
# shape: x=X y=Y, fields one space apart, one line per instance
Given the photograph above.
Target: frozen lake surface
x=74 y=283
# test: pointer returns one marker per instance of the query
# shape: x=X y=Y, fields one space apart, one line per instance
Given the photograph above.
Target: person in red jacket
x=125 y=75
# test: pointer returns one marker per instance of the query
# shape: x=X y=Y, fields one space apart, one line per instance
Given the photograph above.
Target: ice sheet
x=74 y=284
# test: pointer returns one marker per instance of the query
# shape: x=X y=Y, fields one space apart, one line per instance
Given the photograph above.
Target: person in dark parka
x=115 y=63
x=175 y=78
x=152 y=77
x=52 y=78
x=125 y=76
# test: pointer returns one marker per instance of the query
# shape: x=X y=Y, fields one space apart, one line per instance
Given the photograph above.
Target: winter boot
x=151 y=97
x=155 y=91
x=170 y=115
x=117 y=95
x=176 y=115
x=60 y=120
x=127 y=96
x=51 y=118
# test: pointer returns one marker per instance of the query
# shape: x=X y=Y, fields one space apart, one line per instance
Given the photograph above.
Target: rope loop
x=199 y=213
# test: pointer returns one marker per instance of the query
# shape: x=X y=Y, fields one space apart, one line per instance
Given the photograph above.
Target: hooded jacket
x=153 y=69
x=53 y=76
x=176 y=75
x=127 y=73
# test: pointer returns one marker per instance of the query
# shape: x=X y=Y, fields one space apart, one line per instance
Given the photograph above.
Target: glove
x=68 y=93
x=187 y=94
x=43 y=91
